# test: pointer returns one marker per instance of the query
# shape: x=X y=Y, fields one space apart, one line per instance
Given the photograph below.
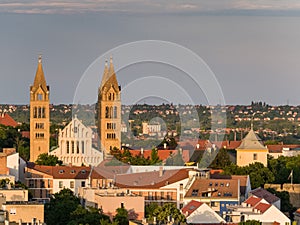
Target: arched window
x=115 y=111
x=106 y=112
x=68 y=147
x=111 y=112
x=39 y=113
x=35 y=112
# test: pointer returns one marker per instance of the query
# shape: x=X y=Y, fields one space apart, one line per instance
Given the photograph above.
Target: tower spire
x=39 y=79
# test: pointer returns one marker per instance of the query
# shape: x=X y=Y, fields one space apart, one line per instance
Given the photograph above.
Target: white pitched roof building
x=75 y=145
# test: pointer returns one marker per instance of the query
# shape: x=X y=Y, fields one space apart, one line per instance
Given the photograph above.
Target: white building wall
x=75 y=145
x=205 y=215
x=66 y=183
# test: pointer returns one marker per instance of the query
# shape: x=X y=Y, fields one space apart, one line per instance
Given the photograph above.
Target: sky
x=250 y=49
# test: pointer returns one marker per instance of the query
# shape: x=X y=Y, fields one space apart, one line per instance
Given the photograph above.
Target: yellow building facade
x=39 y=114
x=251 y=150
x=109 y=110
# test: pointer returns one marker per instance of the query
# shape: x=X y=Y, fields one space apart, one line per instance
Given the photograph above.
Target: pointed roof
x=109 y=77
x=251 y=141
x=39 y=80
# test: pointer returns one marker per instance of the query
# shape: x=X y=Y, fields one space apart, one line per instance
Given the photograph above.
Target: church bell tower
x=109 y=110
x=39 y=114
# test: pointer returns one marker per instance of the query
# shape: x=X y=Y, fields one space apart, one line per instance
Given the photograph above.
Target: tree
x=259 y=174
x=149 y=210
x=154 y=156
x=221 y=160
x=48 y=160
x=167 y=212
x=121 y=217
x=87 y=216
x=62 y=204
x=250 y=222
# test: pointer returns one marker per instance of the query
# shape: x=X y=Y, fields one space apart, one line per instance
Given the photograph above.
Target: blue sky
x=252 y=46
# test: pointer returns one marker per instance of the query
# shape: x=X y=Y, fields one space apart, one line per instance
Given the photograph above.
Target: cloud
x=143 y=6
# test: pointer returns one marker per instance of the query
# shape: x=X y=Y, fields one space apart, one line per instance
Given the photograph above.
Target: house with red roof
x=255 y=208
x=7 y=120
x=200 y=213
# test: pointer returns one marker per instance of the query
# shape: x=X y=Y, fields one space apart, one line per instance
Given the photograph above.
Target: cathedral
x=75 y=140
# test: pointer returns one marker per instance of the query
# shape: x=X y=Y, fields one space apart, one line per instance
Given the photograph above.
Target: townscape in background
x=109 y=163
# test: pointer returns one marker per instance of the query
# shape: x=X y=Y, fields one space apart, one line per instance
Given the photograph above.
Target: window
x=181 y=197
x=68 y=147
x=115 y=111
x=71 y=184
x=60 y=184
x=181 y=187
x=39 y=126
x=195 y=192
x=77 y=147
x=39 y=135
x=42 y=184
x=40 y=97
x=49 y=183
x=13 y=211
x=82 y=147
x=254 y=156
x=72 y=146
x=82 y=183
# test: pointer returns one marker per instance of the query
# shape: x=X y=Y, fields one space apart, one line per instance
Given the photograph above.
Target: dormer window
x=61 y=171
x=72 y=171
x=83 y=171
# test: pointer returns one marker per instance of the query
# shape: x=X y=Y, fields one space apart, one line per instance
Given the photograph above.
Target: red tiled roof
x=162 y=154
x=25 y=134
x=154 y=179
x=191 y=207
x=278 y=148
x=253 y=200
x=63 y=172
x=6 y=120
x=262 y=207
x=298 y=210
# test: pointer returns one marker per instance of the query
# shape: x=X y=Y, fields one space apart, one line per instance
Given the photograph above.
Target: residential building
x=109 y=110
x=108 y=200
x=255 y=208
x=251 y=150
x=43 y=181
x=269 y=197
x=217 y=193
x=7 y=120
x=39 y=114
x=200 y=213
x=24 y=212
x=76 y=146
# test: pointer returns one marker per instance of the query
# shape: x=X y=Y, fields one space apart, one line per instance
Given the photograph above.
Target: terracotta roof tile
x=7 y=120
x=63 y=172
x=262 y=207
x=252 y=201
x=191 y=207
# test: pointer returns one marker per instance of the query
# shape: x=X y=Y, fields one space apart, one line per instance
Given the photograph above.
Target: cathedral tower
x=39 y=115
x=109 y=110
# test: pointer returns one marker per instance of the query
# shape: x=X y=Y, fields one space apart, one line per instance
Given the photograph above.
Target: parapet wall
x=293 y=189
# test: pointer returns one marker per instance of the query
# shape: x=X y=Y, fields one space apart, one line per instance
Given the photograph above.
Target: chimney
x=161 y=171
x=142 y=151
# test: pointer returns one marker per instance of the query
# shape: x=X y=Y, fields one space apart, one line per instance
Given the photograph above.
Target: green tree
x=87 y=216
x=221 y=160
x=250 y=222
x=259 y=174
x=154 y=156
x=48 y=160
x=168 y=211
x=121 y=217
x=149 y=210
x=59 y=210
